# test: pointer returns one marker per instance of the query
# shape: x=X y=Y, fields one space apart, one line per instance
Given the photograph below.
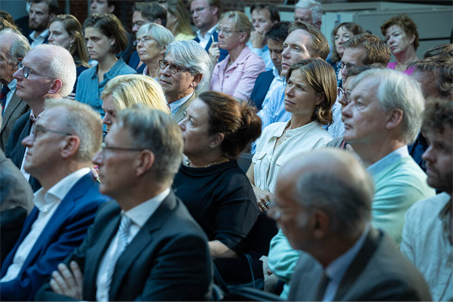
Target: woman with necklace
x=215 y=190
x=310 y=93
x=401 y=36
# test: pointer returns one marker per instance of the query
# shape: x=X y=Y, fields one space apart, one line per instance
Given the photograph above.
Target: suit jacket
x=16 y=201
x=179 y=115
x=16 y=108
x=168 y=259
x=63 y=233
x=46 y=40
x=379 y=272
x=14 y=148
x=223 y=52
x=262 y=84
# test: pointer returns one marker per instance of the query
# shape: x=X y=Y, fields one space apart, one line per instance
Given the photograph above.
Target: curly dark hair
x=438 y=115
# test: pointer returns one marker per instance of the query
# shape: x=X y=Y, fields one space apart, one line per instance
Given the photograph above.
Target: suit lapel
x=140 y=241
x=179 y=115
x=15 y=101
x=18 y=151
x=358 y=264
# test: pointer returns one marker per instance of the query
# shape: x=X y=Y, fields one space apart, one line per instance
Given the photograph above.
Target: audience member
x=263 y=17
x=427 y=234
x=60 y=149
x=145 y=13
x=46 y=72
x=360 y=50
x=13 y=48
x=106 y=37
x=66 y=31
x=383 y=116
x=309 y=95
x=236 y=75
x=103 y=6
x=178 y=20
x=331 y=225
x=309 y=11
x=186 y=67
x=41 y=13
x=127 y=90
x=205 y=16
x=401 y=36
x=144 y=245
x=340 y=34
x=7 y=16
x=303 y=42
x=435 y=75
x=16 y=202
x=268 y=81
x=439 y=50
x=152 y=42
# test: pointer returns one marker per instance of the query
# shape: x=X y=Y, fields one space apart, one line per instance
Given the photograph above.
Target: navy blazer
x=15 y=150
x=133 y=62
x=223 y=52
x=262 y=84
x=168 y=259
x=63 y=233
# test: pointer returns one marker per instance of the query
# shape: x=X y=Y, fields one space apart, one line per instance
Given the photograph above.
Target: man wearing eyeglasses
x=59 y=152
x=343 y=258
x=185 y=67
x=46 y=72
x=13 y=48
x=144 y=245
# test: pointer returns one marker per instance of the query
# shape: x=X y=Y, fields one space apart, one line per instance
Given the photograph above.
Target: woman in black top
x=215 y=190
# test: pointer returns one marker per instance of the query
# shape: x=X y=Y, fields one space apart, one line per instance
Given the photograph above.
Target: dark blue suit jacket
x=133 y=62
x=223 y=52
x=63 y=233
x=262 y=84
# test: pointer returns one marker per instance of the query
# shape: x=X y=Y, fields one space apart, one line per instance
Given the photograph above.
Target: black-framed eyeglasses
x=40 y=130
x=174 y=69
x=341 y=65
x=226 y=32
x=111 y=148
x=144 y=39
x=26 y=71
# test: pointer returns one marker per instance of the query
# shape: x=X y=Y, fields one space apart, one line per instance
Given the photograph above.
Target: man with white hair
x=59 y=152
x=13 y=49
x=46 y=72
x=185 y=67
x=350 y=261
x=308 y=11
x=383 y=116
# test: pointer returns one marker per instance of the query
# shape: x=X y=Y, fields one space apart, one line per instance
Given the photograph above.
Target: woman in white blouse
x=310 y=93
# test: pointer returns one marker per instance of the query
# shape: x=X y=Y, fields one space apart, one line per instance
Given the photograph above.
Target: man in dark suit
x=16 y=201
x=13 y=49
x=144 y=245
x=205 y=16
x=59 y=155
x=47 y=72
x=332 y=225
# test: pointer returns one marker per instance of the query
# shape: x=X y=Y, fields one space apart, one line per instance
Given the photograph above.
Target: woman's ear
x=216 y=140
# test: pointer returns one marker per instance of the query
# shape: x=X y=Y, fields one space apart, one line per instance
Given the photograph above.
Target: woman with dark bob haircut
x=215 y=130
x=106 y=37
x=401 y=36
x=310 y=93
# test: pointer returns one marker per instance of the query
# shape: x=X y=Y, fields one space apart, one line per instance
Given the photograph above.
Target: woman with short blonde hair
x=125 y=91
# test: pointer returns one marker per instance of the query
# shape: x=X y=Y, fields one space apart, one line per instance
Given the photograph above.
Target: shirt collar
x=277 y=74
x=12 y=85
x=208 y=33
x=387 y=160
x=447 y=208
x=337 y=268
x=112 y=72
x=34 y=118
x=175 y=105
x=44 y=34
x=141 y=213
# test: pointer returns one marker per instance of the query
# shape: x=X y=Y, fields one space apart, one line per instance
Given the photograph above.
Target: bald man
x=332 y=225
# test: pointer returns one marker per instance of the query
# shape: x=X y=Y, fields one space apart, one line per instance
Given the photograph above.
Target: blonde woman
x=237 y=73
x=152 y=42
x=125 y=91
x=178 y=21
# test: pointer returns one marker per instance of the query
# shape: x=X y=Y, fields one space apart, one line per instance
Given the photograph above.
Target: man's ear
x=56 y=87
x=144 y=162
x=320 y=224
x=70 y=147
x=394 y=119
x=51 y=18
x=214 y=10
x=196 y=80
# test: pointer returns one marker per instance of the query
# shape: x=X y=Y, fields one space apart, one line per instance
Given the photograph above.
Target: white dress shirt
x=139 y=215
x=9 y=96
x=47 y=204
x=39 y=39
x=204 y=40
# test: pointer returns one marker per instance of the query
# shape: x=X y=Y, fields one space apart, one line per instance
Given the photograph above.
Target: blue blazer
x=133 y=62
x=62 y=235
x=262 y=84
x=223 y=52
